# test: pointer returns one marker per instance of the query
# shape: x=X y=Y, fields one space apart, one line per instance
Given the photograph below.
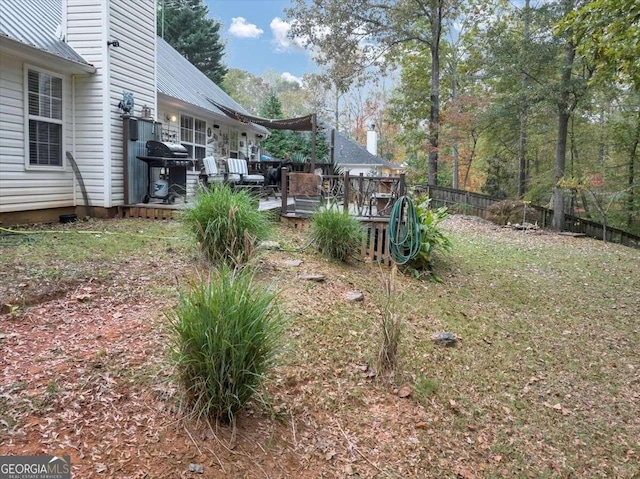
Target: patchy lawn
x=545 y=381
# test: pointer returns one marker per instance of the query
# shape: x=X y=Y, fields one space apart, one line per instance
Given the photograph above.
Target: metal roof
x=36 y=23
x=178 y=78
x=348 y=152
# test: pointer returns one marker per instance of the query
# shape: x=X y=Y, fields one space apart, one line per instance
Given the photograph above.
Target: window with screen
x=193 y=135
x=44 y=96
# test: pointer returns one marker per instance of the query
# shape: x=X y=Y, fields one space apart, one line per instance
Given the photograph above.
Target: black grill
x=174 y=160
x=163 y=149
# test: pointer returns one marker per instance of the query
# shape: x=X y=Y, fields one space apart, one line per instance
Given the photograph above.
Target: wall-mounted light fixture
x=243 y=133
x=259 y=136
x=216 y=126
x=113 y=43
x=169 y=118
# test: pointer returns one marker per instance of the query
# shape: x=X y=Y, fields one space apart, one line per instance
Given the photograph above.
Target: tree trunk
x=522 y=142
x=456 y=155
x=434 y=93
x=564 y=114
x=561 y=151
x=631 y=202
x=337 y=117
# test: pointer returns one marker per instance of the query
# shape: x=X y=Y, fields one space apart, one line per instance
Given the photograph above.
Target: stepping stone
x=354 y=296
x=294 y=263
x=317 y=278
x=270 y=245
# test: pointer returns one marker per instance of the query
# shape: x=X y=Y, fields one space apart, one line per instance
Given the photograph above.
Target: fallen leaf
x=465 y=473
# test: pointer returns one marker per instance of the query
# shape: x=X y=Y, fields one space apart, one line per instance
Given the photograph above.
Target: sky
x=255 y=34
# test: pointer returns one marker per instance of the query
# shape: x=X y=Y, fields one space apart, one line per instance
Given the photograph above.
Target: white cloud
x=286 y=76
x=280 y=30
x=241 y=29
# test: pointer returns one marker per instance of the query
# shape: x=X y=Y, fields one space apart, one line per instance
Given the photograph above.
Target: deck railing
x=363 y=196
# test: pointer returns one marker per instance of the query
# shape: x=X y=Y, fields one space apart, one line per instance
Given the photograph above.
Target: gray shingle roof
x=348 y=152
x=35 y=23
x=179 y=79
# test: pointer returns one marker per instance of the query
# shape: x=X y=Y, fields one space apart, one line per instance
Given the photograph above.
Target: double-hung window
x=193 y=135
x=44 y=100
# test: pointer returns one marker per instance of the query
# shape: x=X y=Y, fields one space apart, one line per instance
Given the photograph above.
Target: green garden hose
x=405 y=237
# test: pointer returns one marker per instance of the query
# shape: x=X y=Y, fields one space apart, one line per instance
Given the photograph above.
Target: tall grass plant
x=227 y=224
x=227 y=331
x=336 y=234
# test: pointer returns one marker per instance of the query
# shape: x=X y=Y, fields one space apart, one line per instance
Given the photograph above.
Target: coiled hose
x=405 y=236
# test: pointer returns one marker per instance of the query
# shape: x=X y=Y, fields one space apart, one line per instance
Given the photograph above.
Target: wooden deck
x=163 y=211
x=375 y=246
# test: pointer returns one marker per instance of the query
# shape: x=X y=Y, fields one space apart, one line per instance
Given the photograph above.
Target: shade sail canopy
x=303 y=123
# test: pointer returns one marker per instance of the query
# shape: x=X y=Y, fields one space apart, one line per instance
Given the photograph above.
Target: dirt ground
x=84 y=372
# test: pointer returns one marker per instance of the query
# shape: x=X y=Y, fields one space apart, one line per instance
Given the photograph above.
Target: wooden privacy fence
x=478 y=205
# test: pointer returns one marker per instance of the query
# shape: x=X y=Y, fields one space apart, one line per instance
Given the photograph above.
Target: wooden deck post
x=313 y=143
x=284 y=187
x=346 y=190
x=402 y=187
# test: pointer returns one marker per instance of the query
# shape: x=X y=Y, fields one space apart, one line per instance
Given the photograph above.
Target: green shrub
x=226 y=331
x=432 y=237
x=227 y=224
x=335 y=233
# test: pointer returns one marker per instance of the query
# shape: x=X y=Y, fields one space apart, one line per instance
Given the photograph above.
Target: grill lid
x=165 y=149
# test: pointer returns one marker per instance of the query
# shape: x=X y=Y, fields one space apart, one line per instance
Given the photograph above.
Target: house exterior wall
x=132 y=69
x=24 y=187
x=215 y=142
x=355 y=170
x=84 y=22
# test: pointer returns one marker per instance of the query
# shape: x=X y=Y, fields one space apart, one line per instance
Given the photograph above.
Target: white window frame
x=192 y=141
x=27 y=117
x=233 y=143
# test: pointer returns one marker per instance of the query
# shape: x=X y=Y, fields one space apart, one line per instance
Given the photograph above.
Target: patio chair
x=212 y=175
x=237 y=166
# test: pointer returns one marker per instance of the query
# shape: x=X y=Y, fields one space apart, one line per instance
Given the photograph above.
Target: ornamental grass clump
x=227 y=224
x=336 y=234
x=227 y=331
x=390 y=327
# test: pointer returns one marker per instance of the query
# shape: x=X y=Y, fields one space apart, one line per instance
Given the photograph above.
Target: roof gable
x=348 y=152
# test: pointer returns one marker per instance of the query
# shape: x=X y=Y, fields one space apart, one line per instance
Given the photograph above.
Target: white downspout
x=106 y=114
x=73 y=136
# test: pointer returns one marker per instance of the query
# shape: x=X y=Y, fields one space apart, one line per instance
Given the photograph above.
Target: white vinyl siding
x=22 y=189
x=85 y=22
x=132 y=69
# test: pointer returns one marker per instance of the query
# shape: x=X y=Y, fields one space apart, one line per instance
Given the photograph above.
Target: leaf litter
x=84 y=372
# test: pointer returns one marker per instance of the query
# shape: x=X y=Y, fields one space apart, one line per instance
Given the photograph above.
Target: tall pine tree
x=277 y=143
x=185 y=26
